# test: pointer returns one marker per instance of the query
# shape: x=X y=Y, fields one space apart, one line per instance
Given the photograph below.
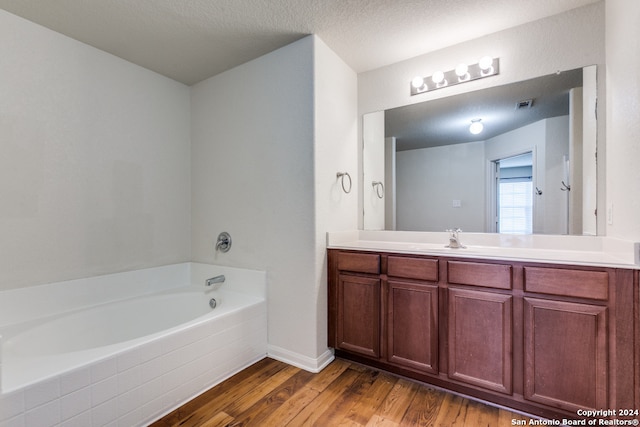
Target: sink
x=436 y=247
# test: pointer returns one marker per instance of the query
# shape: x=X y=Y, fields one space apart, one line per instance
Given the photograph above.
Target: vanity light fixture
x=438 y=79
x=417 y=82
x=476 y=126
x=462 y=71
x=486 y=66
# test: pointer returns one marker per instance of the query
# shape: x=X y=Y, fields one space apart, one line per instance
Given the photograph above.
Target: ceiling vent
x=527 y=103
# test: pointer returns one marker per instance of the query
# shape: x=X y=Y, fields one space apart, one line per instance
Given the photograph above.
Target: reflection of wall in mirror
x=374 y=169
x=588 y=141
x=429 y=180
x=390 y=183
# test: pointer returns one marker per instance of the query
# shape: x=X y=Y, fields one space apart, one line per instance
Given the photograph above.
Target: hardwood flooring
x=274 y=394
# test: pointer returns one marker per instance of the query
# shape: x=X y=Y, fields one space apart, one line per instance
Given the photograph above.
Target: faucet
x=217 y=279
x=224 y=242
x=454 y=239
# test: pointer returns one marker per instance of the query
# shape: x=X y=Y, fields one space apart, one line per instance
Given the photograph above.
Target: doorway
x=514 y=194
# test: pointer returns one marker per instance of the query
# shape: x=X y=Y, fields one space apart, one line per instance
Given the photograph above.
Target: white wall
x=429 y=179
x=94 y=163
x=566 y=41
x=253 y=176
x=548 y=140
x=623 y=111
x=556 y=201
x=335 y=149
x=268 y=138
x=107 y=167
x=374 y=169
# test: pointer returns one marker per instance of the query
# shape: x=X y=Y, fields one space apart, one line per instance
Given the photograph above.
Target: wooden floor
x=271 y=393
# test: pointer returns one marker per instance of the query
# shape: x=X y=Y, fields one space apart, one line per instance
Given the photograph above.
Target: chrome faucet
x=217 y=279
x=454 y=239
x=224 y=242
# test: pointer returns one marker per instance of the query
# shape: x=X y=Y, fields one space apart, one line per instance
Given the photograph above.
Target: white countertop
x=579 y=250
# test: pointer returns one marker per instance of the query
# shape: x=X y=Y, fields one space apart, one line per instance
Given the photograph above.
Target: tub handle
x=224 y=242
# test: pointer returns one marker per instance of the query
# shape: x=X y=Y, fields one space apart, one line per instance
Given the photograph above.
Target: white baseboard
x=300 y=361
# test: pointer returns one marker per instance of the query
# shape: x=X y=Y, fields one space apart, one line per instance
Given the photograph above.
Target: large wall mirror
x=531 y=168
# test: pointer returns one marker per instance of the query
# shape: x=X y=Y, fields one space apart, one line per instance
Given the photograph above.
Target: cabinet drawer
x=566 y=282
x=360 y=263
x=479 y=274
x=413 y=268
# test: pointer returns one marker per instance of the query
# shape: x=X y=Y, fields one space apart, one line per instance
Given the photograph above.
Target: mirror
x=531 y=169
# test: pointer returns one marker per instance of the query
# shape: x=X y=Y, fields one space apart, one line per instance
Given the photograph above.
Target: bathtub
x=126 y=348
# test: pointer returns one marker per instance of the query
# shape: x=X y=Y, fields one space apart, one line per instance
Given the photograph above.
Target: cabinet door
x=480 y=339
x=565 y=354
x=359 y=315
x=412 y=335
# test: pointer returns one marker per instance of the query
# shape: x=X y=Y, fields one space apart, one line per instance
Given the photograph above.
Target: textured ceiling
x=191 y=40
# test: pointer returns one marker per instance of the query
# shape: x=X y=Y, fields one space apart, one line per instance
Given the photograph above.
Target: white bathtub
x=125 y=348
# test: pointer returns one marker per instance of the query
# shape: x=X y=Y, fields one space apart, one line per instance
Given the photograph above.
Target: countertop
x=577 y=250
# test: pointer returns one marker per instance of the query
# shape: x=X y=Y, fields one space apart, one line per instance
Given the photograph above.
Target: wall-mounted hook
x=379 y=187
x=538 y=191
x=565 y=187
x=342 y=175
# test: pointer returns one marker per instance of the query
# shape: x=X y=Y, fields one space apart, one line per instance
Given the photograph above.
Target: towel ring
x=379 y=187
x=342 y=175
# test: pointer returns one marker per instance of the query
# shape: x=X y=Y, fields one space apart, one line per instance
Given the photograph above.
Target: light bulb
x=485 y=63
x=461 y=70
x=417 y=82
x=476 y=126
x=438 y=77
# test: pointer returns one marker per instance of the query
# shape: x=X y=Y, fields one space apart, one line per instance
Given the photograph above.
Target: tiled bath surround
x=142 y=383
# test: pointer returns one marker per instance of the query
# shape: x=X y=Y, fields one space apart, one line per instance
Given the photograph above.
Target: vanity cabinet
x=359 y=315
x=480 y=339
x=480 y=322
x=412 y=313
x=566 y=340
x=358 y=304
x=541 y=338
x=565 y=354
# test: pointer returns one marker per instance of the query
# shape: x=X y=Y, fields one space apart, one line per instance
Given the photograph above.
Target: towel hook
x=379 y=187
x=565 y=187
x=342 y=175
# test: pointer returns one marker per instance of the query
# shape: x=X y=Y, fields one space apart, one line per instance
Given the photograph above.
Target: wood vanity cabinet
x=480 y=322
x=359 y=315
x=565 y=341
x=412 y=313
x=541 y=338
x=358 y=295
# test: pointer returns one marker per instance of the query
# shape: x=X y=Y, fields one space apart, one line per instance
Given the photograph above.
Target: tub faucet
x=215 y=280
x=454 y=239
x=223 y=244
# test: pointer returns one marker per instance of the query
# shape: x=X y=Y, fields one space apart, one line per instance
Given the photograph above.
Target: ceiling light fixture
x=476 y=126
x=486 y=66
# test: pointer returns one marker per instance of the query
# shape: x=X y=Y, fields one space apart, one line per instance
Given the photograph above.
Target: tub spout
x=215 y=280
